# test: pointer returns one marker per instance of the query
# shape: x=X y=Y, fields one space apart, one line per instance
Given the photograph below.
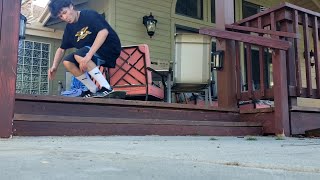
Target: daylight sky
x=41 y=3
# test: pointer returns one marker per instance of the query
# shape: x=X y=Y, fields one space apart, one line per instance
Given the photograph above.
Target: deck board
x=108 y=120
x=118 y=102
x=24 y=128
x=62 y=116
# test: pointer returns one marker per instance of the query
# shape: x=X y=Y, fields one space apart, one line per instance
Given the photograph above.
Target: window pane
x=190 y=8
x=37 y=46
x=36 y=62
x=20 y=60
x=28 y=44
x=33 y=62
x=213 y=11
x=249 y=9
x=256 y=70
x=45 y=47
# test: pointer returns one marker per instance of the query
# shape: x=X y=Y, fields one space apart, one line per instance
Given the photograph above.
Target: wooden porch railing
x=290 y=35
x=279 y=91
x=300 y=27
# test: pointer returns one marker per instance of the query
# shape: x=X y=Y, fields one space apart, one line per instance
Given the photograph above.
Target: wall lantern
x=150 y=23
x=312 y=60
x=217 y=60
x=22 y=30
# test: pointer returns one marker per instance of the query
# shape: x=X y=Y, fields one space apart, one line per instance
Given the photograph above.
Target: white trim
x=45 y=15
x=38 y=30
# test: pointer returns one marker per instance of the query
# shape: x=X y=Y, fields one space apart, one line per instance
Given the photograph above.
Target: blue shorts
x=98 y=60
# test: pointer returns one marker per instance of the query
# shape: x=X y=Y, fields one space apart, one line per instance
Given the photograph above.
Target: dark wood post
x=282 y=123
x=9 y=34
x=287 y=26
x=227 y=95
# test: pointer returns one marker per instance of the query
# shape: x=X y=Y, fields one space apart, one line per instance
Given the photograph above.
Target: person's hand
x=84 y=63
x=52 y=72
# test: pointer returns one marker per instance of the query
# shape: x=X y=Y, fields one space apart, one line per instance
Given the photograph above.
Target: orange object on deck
x=132 y=74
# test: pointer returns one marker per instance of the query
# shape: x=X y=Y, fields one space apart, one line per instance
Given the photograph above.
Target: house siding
x=128 y=24
x=99 y=6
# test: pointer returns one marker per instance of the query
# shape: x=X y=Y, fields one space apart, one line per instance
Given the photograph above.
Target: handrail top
x=308 y=11
x=233 y=27
x=270 y=10
x=246 y=38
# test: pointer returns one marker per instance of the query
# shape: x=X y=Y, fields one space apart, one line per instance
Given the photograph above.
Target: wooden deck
x=304 y=119
x=63 y=116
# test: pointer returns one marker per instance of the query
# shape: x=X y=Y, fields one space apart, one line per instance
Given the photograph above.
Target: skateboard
x=117 y=95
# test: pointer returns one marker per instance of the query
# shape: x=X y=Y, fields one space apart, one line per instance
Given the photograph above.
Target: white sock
x=97 y=75
x=85 y=79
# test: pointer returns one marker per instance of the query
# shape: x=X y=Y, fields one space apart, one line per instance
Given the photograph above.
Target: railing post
x=227 y=95
x=296 y=53
x=306 y=53
x=9 y=33
x=281 y=121
x=287 y=26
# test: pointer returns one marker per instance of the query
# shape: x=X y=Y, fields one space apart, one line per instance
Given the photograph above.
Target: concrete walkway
x=165 y=158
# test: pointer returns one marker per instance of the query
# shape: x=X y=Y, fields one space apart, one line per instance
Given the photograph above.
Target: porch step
x=62 y=116
x=51 y=125
x=304 y=119
x=101 y=108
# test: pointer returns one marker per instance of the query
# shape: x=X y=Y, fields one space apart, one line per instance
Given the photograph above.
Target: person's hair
x=56 y=6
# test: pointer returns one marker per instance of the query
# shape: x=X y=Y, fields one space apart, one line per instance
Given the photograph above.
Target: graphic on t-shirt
x=83 y=33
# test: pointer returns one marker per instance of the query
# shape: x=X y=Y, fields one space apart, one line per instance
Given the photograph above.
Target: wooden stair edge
x=305 y=109
x=313 y=132
x=254 y=111
x=119 y=102
x=110 y=120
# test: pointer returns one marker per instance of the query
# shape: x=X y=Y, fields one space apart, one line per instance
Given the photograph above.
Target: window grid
x=32 y=68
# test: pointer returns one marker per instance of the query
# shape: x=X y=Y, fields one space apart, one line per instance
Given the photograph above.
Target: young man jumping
x=96 y=43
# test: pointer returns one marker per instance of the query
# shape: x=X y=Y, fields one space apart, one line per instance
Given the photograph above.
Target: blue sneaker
x=103 y=92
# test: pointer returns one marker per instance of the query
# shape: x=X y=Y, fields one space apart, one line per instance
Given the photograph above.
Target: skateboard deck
x=117 y=95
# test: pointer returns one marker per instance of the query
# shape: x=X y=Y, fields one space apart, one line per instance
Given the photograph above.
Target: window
x=256 y=67
x=32 y=69
x=249 y=9
x=213 y=11
x=190 y=8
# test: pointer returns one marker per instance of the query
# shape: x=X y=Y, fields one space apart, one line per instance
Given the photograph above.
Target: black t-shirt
x=84 y=32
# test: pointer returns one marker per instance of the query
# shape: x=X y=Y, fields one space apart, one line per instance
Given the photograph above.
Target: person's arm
x=56 y=61
x=99 y=40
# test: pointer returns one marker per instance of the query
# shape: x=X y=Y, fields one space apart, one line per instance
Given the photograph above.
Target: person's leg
x=92 y=68
x=97 y=75
x=73 y=67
